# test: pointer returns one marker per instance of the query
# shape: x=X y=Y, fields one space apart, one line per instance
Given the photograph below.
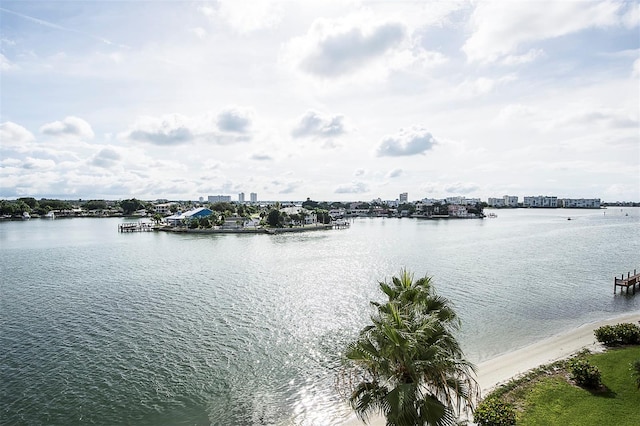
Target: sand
x=501 y=369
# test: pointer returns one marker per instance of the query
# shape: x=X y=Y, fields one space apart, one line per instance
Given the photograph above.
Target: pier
x=135 y=227
x=630 y=281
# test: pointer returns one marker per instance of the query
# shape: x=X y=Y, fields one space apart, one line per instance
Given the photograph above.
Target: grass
x=548 y=397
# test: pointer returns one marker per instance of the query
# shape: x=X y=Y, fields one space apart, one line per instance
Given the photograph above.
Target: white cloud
x=631 y=18
x=38 y=164
x=70 y=126
x=285 y=186
x=107 y=157
x=199 y=32
x=500 y=28
x=167 y=130
x=316 y=124
x=230 y=126
x=261 y=157
x=12 y=134
x=234 y=120
x=408 y=142
x=9 y=162
x=605 y=118
x=338 y=53
x=352 y=188
x=394 y=173
x=6 y=64
x=340 y=47
x=635 y=72
x=530 y=56
x=473 y=87
x=246 y=17
x=461 y=188
x=514 y=112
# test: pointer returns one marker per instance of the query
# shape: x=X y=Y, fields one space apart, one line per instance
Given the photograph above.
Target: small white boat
x=50 y=215
x=26 y=216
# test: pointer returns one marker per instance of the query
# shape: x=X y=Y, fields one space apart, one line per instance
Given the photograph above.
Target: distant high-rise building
x=510 y=200
x=253 y=197
x=541 y=201
x=495 y=202
x=241 y=197
x=219 y=198
x=404 y=197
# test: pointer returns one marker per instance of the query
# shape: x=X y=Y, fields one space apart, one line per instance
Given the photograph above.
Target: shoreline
x=510 y=365
x=499 y=370
x=271 y=231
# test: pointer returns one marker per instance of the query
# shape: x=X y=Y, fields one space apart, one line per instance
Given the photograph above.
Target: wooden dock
x=630 y=281
x=135 y=227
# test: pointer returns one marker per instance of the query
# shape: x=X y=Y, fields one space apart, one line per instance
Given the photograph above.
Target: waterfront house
x=237 y=222
x=337 y=213
x=164 y=209
x=457 y=210
x=179 y=219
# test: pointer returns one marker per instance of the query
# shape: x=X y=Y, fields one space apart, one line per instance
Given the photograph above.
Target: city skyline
x=337 y=101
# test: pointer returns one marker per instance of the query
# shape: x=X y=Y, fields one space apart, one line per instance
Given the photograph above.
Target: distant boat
x=50 y=215
x=492 y=215
x=568 y=218
x=26 y=216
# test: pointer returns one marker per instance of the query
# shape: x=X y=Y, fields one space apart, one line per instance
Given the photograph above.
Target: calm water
x=99 y=327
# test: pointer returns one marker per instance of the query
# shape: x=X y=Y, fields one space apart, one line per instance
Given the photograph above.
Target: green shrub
x=629 y=333
x=584 y=373
x=619 y=334
x=494 y=412
x=606 y=335
x=635 y=368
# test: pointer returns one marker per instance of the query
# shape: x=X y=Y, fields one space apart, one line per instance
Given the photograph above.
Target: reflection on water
x=156 y=328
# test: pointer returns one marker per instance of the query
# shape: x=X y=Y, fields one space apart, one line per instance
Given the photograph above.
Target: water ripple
x=159 y=329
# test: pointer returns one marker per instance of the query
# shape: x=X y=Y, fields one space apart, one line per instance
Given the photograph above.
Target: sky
x=328 y=100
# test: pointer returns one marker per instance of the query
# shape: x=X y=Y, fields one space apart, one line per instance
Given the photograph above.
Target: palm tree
x=409 y=365
x=157 y=218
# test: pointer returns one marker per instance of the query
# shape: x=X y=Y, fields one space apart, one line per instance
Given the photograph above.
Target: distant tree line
x=44 y=205
x=31 y=205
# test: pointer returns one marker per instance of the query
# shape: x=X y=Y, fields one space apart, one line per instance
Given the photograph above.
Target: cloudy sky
x=332 y=100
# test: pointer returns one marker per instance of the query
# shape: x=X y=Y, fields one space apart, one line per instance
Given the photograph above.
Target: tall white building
x=496 y=202
x=505 y=201
x=253 y=197
x=540 y=201
x=241 y=197
x=404 y=197
x=510 y=200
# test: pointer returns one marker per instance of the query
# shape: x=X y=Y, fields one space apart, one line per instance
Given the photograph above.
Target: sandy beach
x=499 y=370
x=502 y=368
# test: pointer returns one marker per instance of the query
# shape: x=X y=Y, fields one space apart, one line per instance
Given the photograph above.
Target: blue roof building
x=179 y=219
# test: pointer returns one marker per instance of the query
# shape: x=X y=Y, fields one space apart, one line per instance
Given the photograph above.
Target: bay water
x=154 y=328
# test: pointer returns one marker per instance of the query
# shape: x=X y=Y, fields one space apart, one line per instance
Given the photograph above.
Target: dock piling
x=624 y=283
x=135 y=227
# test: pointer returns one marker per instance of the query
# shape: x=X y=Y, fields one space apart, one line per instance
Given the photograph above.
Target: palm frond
x=413 y=368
